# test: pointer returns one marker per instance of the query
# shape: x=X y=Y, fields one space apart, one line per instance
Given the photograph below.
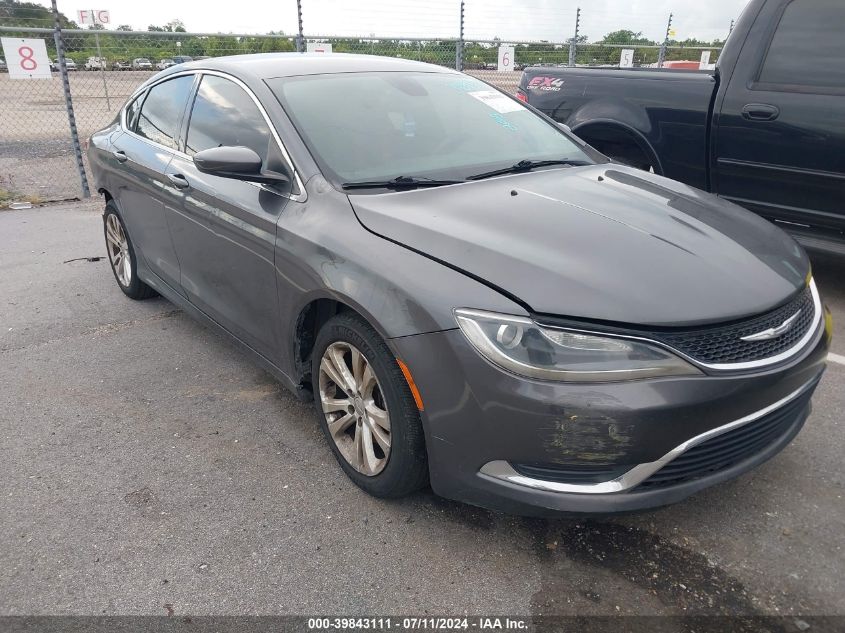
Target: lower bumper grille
x=726 y=450
x=711 y=456
x=571 y=474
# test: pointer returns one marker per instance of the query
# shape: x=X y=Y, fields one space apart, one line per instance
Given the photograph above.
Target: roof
x=270 y=65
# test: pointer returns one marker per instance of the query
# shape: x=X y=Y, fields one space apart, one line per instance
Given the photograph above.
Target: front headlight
x=524 y=347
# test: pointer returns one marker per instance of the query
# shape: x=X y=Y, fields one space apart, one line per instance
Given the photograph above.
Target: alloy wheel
x=118 y=248
x=354 y=407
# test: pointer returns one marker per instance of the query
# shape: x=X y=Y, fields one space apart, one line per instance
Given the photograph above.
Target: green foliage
x=14 y=13
x=160 y=42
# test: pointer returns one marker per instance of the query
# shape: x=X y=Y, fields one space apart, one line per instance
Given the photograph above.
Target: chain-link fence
x=37 y=159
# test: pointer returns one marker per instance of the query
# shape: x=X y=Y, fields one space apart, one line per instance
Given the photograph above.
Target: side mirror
x=239 y=163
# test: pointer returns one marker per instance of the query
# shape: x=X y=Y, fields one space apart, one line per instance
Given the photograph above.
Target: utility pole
x=459 y=47
x=300 y=41
x=573 y=43
x=71 y=118
x=662 y=55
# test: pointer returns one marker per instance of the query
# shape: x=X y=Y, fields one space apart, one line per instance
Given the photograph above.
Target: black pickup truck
x=766 y=129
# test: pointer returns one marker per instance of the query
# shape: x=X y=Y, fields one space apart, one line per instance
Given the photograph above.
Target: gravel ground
x=147 y=468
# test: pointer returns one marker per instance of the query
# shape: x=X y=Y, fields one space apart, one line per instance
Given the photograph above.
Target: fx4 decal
x=548 y=84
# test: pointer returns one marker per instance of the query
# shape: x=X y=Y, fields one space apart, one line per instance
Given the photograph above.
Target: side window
x=132 y=111
x=162 y=108
x=808 y=47
x=224 y=114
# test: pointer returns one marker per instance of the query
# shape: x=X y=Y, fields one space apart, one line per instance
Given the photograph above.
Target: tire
x=405 y=468
x=120 y=251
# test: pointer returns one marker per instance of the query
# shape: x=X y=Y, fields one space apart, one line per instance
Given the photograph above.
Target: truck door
x=779 y=139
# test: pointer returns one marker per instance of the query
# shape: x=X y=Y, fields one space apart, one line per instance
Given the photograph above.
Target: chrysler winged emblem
x=773 y=332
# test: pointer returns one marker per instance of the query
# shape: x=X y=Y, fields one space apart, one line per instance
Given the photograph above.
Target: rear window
x=808 y=47
x=160 y=113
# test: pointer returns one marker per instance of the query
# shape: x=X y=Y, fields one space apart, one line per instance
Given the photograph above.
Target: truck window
x=808 y=47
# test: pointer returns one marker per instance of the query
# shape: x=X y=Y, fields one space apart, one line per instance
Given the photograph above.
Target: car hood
x=600 y=242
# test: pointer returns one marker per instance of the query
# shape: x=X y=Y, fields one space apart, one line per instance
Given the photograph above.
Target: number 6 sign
x=505 y=58
x=26 y=58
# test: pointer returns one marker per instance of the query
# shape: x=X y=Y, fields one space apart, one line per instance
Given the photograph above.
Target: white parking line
x=836 y=358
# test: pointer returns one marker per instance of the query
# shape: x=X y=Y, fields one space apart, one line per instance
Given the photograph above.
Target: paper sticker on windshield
x=496 y=100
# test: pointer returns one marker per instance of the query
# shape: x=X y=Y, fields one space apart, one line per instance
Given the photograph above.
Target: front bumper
x=480 y=421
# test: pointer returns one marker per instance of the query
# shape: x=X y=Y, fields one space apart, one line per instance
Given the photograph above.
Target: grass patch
x=8 y=197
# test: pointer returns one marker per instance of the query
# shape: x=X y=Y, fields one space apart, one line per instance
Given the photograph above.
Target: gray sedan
x=474 y=298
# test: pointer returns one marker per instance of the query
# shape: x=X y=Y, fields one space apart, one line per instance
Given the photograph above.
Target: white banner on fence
x=93 y=16
x=704 y=64
x=318 y=47
x=26 y=58
x=626 y=58
x=505 y=58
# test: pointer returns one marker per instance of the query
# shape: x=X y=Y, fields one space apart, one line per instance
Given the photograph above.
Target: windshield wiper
x=400 y=182
x=527 y=165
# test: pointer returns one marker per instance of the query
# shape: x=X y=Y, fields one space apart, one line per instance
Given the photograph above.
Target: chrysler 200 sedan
x=473 y=297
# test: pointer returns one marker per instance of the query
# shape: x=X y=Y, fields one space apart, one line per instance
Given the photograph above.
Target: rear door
x=225 y=229
x=142 y=154
x=780 y=137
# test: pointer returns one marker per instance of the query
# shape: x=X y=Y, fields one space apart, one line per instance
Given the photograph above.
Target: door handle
x=178 y=181
x=760 y=112
x=120 y=155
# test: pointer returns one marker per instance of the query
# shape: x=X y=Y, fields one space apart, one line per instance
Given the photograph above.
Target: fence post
x=661 y=57
x=102 y=69
x=573 y=43
x=74 y=134
x=300 y=42
x=459 y=47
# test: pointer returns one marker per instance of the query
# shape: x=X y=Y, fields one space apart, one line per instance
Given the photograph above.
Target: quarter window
x=132 y=111
x=161 y=110
x=225 y=115
x=808 y=47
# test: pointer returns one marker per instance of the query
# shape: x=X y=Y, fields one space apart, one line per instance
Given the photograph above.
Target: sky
x=552 y=20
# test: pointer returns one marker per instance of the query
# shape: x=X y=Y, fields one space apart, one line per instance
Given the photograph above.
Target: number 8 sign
x=26 y=58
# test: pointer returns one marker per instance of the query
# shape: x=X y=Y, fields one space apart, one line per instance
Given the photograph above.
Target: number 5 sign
x=26 y=58
x=505 y=58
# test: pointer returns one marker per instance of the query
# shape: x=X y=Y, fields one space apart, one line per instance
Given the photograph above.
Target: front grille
x=723 y=344
x=726 y=450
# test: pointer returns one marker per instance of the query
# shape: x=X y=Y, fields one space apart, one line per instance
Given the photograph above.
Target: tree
x=174 y=26
x=625 y=36
x=14 y=13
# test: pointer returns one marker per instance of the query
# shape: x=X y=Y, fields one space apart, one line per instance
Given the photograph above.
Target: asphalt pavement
x=147 y=467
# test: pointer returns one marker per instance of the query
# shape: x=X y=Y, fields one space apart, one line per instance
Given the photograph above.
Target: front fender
x=324 y=252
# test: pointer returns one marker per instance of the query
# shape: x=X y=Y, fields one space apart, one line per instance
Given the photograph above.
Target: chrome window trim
x=302 y=196
x=813 y=333
x=502 y=470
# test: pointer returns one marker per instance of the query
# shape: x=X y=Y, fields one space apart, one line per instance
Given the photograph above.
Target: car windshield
x=377 y=126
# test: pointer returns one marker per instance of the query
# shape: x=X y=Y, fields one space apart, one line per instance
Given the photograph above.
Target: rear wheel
x=366 y=409
x=619 y=145
x=122 y=256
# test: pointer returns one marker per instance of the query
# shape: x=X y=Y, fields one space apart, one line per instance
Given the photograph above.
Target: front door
x=780 y=140
x=225 y=229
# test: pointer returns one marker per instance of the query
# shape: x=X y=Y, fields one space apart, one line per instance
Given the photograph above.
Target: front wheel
x=366 y=409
